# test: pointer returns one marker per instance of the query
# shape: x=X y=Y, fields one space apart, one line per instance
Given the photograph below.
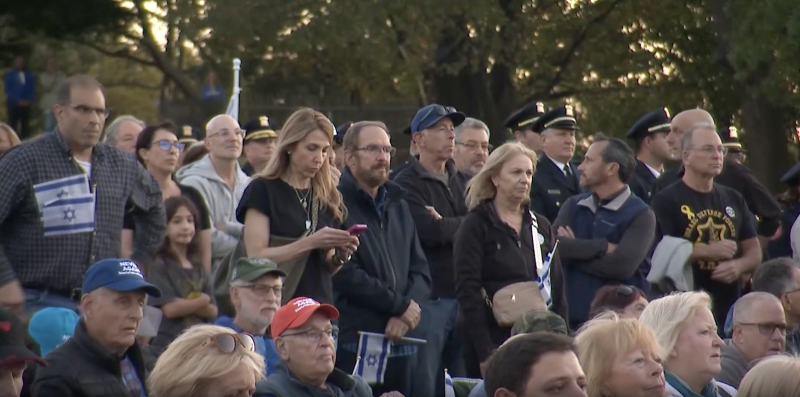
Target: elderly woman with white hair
x=690 y=347
x=207 y=361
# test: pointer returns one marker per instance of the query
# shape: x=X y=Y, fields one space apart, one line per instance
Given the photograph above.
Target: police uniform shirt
x=704 y=218
x=644 y=176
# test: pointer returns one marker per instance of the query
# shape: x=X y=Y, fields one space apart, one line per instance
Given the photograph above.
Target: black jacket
x=388 y=270
x=642 y=181
x=81 y=367
x=738 y=177
x=490 y=255
x=550 y=187
x=436 y=235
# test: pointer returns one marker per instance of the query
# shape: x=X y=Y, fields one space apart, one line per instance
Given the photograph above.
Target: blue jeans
x=36 y=300
x=442 y=351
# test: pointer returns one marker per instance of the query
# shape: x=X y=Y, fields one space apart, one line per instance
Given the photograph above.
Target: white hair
x=668 y=316
x=113 y=128
x=471 y=123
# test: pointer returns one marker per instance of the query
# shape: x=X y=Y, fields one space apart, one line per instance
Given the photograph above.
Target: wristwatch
x=338 y=259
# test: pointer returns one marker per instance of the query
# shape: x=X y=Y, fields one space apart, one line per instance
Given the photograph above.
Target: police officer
x=190 y=135
x=259 y=143
x=735 y=176
x=555 y=179
x=649 y=135
x=412 y=153
x=521 y=123
x=730 y=140
x=790 y=205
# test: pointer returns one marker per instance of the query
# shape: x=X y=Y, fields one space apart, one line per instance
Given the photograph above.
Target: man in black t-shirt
x=713 y=217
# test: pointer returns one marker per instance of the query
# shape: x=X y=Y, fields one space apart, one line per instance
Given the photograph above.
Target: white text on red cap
x=302 y=303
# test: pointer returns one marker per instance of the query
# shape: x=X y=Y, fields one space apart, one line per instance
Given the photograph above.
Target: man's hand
x=412 y=315
x=565 y=231
x=12 y=297
x=336 y=174
x=611 y=248
x=727 y=272
x=483 y=367
x=433 y=212
x=392 y=394
x=396 y=329
x=720 y=250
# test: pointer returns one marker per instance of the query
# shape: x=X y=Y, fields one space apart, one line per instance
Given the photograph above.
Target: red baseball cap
x=296 y=312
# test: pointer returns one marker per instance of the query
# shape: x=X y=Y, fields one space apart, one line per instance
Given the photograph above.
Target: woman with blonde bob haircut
x=207 y=361
x=621 y=358
x=8 y=138
x=293 y=213
x=772 y=377
x=494 y=248
x=690 y=347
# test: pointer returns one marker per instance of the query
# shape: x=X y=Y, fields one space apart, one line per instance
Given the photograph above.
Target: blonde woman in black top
x=494 y=249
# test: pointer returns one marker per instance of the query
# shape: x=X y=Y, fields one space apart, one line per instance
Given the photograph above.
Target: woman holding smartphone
x=293 y=213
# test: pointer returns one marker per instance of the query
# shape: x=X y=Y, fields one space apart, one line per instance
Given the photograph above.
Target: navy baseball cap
x=429 y=115
x=121 y=275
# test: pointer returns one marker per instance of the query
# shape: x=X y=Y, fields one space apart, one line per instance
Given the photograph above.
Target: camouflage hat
x=539 y=321
x=250 y=269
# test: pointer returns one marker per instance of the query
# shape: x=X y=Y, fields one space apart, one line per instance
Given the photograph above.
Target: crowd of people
x=152 y=260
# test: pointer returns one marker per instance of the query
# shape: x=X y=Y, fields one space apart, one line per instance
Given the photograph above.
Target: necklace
x=304 y=202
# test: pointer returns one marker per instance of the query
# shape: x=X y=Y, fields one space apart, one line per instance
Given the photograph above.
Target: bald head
x=752 y=304
x=223 y=138
x=682 y=122
x=219 y=122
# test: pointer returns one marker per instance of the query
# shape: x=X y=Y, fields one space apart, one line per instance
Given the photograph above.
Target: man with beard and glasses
x=256 y=291
x=472 y=146
x=605 y=234
x=381 y=288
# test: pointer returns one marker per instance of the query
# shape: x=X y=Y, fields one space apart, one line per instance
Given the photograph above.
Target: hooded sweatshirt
x=221 y=202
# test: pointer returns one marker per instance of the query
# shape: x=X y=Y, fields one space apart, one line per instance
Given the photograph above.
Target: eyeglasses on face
x=263 y=290
x=227 y=342
x=315 y=335
x=87 y=111
x=167 y=145
x=376 y=150
x=767 y=329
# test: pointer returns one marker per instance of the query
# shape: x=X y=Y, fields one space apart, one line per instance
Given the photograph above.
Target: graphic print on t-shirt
x=709 y=226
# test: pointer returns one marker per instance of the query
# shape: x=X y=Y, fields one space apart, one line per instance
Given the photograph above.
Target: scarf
x=709 y=390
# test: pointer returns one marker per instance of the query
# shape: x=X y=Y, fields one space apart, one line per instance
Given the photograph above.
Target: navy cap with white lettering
x=116 y=274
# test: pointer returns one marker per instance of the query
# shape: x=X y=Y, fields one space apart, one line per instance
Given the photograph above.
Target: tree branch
x=123 y=53
x=131 y=84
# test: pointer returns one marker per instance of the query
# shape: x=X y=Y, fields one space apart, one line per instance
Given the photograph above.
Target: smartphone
x=355 y=230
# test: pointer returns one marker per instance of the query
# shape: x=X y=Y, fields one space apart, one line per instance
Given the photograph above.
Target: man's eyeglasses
x=263 y=290
x=88 y=111
x=227 y=342
x=474 y=146
x=767 y=329
x=375 y=150
x=227 y=134
x=315 y=335
x=167 y=145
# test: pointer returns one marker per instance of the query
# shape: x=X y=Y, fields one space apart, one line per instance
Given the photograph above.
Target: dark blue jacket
x=625 y=217
x=284 y=384
x=17 y=91
x=388 y=270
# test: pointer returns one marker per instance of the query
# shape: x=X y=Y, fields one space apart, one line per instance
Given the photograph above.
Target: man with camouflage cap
x=256 y=290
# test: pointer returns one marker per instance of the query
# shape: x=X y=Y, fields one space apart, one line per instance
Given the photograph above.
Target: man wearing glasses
x=256 y=291
x=472 y=146
x=381 y=288
x=759 y=331
x=221 y=181
x=63 y=198
x=712 y=217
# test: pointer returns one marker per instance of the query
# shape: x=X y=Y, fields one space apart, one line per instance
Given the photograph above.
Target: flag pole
x=233 y=104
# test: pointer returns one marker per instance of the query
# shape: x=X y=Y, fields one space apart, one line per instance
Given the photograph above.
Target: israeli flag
x=233 y=104
x=69 y=216
x=449 y=391
x=374 y=350
x=544 y=280
x=48 y=192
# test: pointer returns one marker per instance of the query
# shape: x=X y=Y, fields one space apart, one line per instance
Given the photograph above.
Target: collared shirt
x=655 y=172
x=119 y=184
x=559 y=164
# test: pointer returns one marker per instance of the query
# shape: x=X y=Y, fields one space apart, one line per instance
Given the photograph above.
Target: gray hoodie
x=734 y=365
x=221 y=202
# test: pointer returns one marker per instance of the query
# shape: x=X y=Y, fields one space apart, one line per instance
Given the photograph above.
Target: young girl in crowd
x=177 y=270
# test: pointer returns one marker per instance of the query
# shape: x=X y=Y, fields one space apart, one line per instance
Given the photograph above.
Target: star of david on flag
x=69 y=215
x=543 y=280
x=374 y=350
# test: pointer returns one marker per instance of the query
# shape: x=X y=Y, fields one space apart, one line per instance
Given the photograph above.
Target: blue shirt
x=265 y=346
x=131 y=379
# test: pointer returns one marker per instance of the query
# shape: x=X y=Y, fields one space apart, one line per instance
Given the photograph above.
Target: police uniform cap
x=650 y=123
x=189 y=135
x=261 y=127
x=792 y=177
x=561 y=118
x=730 y=139
x=524 y=118
x=338 y=136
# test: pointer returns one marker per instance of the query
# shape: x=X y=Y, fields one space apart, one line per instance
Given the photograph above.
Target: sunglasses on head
x=227 y=342
x=440 y=110
x=625 y=290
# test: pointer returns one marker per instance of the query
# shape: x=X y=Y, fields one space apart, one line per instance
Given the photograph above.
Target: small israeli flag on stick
x=449 y=390
x=373 y=351
x=543 y=279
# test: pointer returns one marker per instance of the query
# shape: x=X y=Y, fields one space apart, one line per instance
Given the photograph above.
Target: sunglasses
x=227 y=342
x=625 y=290
x=440 y=110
